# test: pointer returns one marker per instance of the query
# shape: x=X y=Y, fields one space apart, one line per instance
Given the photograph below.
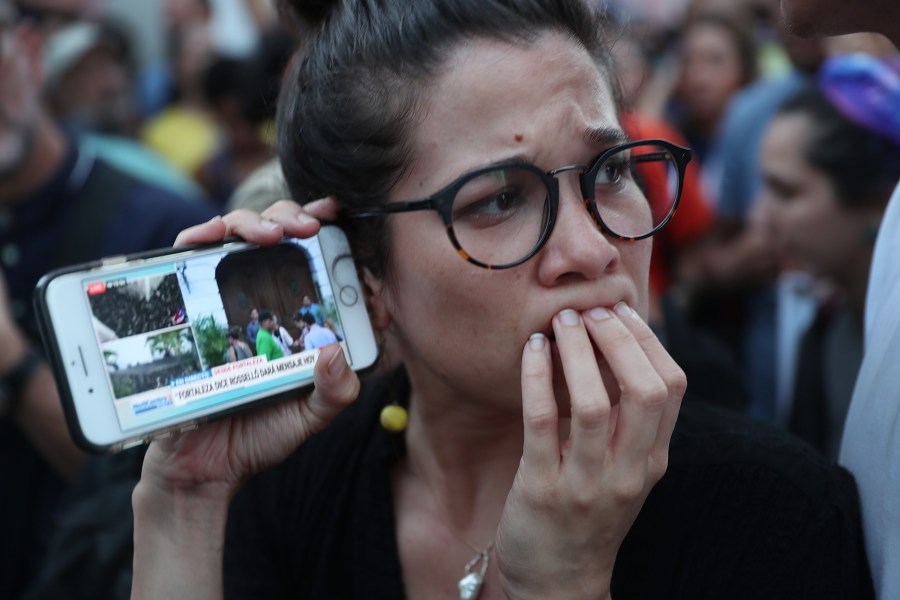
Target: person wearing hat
x=88 y=87
x=58 y=205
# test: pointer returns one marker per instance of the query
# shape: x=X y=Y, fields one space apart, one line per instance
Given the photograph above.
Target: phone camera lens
x=90 y=390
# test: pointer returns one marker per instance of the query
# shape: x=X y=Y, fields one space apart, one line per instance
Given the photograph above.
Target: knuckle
x=288 y=205
x=659 y=464
x=583 y=498
x=651 y=395
x=349 y=391
x=676 y=380
x=630 y=487
x=540 y=493
x=618 y=333
x=240 y=215
x=534 y=372
x=541 y=420
x=642 y=332
x=591 y=416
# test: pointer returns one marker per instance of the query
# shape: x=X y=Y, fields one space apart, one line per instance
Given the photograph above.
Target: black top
x=744 y=511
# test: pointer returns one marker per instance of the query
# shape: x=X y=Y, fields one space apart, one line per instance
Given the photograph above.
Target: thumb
x=337 y=386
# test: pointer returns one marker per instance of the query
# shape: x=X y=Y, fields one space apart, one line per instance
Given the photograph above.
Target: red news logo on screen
x=98 y=287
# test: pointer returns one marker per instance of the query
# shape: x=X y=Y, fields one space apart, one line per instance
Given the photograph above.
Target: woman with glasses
x=472 y=150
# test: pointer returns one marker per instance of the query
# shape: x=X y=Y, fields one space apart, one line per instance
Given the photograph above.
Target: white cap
x=66 y=47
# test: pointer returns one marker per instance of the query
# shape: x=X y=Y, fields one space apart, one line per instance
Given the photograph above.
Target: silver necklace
x=470 y=584
x=472 y=581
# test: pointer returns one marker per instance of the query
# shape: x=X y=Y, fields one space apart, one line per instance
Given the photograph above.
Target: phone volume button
x=113 y=260
x=133 y=443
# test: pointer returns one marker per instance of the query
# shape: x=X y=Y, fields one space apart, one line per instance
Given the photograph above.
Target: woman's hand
x=187 y=482
x=227 y=452
x=573 y=501
x=284 y=218
x=219 y=456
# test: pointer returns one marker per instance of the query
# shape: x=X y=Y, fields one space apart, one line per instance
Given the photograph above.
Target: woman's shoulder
x=721 y=443
x=745 y=511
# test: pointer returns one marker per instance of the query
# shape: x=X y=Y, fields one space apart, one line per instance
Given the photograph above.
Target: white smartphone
x=150 y=344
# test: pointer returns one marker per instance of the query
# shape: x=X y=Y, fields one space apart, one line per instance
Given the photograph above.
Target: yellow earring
x=394 y=418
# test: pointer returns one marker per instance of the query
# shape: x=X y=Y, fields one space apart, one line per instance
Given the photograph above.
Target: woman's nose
x=576 y=248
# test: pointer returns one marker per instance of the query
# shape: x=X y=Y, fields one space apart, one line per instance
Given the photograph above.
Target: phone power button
x=348 y=295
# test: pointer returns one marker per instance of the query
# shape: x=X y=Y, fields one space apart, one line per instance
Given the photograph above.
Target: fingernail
x=569 y=317
x=336 y=363
x=305 y=218
x=270 y=225
x=537 y=341
x=599 y=313
x=215 y=218
x=623 y=310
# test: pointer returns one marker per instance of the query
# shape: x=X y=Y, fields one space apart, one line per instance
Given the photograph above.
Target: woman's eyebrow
x=605 y=136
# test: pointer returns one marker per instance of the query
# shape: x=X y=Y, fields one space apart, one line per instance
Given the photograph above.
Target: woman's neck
x=464 y=451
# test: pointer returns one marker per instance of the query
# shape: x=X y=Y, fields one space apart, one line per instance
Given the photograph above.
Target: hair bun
x=866 y=90
x=300 y=16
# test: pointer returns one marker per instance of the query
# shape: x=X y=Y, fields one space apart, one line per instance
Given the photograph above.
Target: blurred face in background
x=96 y=93
x=632 y=67
x=711 y=72
x=19 y=105
x=799 y=206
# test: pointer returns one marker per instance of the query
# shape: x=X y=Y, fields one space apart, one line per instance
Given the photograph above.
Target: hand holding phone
x=136 y=344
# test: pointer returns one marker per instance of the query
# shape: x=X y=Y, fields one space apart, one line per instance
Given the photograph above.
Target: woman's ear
x=379 y=312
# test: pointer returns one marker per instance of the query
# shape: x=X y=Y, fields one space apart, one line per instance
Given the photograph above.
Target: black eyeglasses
x=500 y=216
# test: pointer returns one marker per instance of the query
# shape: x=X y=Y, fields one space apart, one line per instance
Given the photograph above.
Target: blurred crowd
x=790 y=187
x=181 y=92
x=763 y=271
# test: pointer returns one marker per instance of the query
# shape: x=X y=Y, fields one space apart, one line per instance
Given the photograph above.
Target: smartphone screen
x=151 y=344
x=163 y=330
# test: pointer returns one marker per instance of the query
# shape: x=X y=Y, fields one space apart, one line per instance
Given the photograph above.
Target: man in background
x=312 y=308
x=58 y=205
x=871 y=443
x=265 y=340
x=316 y=336
x=253 y=327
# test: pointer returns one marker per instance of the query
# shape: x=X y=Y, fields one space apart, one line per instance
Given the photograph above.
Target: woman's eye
x=612 y=173
x=492 y=209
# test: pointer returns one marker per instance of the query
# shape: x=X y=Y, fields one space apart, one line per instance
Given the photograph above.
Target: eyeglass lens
x=500 y=216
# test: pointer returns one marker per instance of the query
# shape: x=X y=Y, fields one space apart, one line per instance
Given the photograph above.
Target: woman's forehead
x=498 y=97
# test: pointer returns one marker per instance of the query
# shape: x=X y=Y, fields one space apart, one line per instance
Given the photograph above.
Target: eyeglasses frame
x=442 y=201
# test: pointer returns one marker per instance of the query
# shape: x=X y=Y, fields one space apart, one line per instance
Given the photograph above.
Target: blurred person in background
x=242 y=94
x=89 y=88
x=718 y=59
x=731 y=282
x=58 y=205
x=871 y=444
x=827 y=181
x=713 y=374
x=695 y=209
x=185 y=133
x=89 y=78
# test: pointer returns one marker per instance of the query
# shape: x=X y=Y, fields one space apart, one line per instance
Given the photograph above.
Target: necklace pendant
x=470 y=586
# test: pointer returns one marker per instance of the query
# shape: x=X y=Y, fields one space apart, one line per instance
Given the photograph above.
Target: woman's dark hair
x=358 y=84
x=862 y=165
